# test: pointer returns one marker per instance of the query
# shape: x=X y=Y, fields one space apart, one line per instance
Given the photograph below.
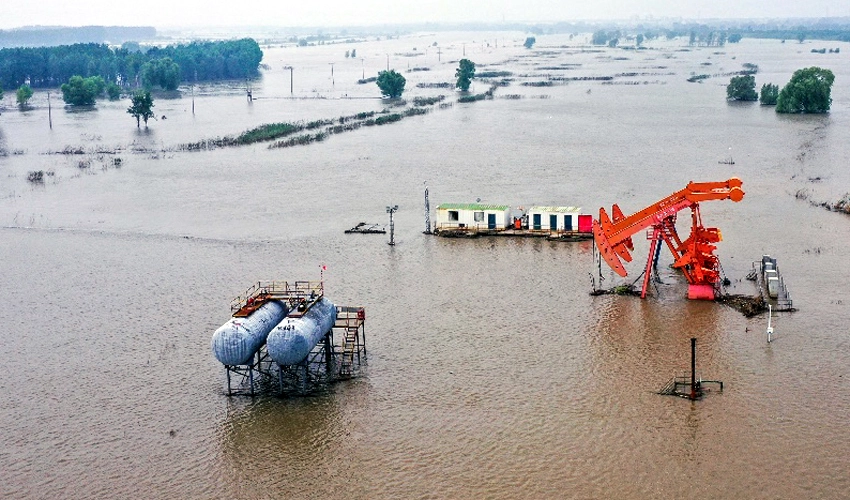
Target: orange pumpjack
x=694 y=256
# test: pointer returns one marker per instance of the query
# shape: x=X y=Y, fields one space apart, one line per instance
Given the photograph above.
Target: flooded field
x=493 y=373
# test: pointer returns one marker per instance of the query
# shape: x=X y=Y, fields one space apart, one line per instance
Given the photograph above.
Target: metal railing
x=278 y=290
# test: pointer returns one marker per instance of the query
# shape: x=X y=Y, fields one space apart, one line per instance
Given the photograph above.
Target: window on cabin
x=453 y=216
x=479 y=216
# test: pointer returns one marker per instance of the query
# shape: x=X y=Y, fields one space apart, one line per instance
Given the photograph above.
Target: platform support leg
x=328 y=353
x=693 y=368
x=652 y=249
x=304 y=378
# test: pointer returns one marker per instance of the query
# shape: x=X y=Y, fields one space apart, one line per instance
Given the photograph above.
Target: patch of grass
x=318 y=123
x=493 y=74
x=383 y=120
x=471 y=98
x=72 y=150
x=698 y=78
x=441 y=85
x=267 y=132
x=300 y=140
x=427 y=101
x=414 y=112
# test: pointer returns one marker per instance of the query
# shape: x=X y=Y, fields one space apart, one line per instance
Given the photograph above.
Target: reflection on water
x=492 y=371
x=288 y=437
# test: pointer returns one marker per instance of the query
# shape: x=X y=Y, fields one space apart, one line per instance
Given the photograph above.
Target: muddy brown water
x=493 y=373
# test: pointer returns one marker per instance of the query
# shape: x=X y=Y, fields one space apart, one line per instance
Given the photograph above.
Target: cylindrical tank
x=293 y=339
x=773 y=287
x=236 y=341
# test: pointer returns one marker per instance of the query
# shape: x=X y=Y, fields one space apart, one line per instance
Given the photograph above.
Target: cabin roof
x=555 y=209
x=472 y=206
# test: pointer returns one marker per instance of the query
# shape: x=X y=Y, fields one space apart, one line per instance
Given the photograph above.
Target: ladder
x=350 y=343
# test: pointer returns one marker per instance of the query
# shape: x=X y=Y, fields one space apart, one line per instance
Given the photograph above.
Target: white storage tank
x=773 y=287
x=293 y=339
x=236 y=342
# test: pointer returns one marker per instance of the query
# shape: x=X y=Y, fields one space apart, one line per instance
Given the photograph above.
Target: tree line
x=130 y=65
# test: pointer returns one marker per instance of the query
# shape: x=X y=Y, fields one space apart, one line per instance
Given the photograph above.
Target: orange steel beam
x=613 y=237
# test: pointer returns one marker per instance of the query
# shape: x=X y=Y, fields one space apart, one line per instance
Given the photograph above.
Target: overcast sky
x=170 y=13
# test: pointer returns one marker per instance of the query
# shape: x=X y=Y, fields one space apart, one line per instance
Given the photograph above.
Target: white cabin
x=473 y=216
x=554 y=219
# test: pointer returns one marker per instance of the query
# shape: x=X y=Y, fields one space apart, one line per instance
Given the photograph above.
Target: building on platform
x=473 y=217
x=558 y=219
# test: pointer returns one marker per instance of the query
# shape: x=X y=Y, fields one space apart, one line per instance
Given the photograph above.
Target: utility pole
x=49 y=112
x=332 y=73
x=391 y=210
x=427 y=211
x=193 y=92
x=363 y=67
x=290 y=68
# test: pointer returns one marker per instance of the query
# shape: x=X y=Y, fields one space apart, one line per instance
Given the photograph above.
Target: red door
x=585 y=223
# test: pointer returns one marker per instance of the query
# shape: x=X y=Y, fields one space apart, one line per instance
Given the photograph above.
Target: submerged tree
x=23 y=95
x=807 y=92
x=742 y=88
x=113 y=91
x=769 y=94
x=465 y=73
x=141 y=107
x=391 y=83
x=599 y=37
x=81 y=91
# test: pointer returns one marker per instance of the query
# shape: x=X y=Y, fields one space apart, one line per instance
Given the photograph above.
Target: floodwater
x=492 y=372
